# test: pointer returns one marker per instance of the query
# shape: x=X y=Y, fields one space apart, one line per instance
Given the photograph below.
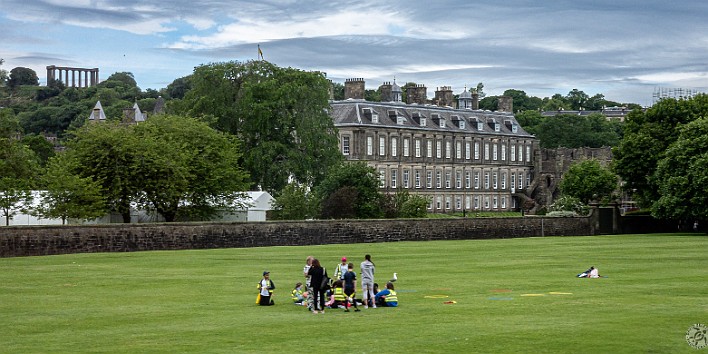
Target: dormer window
x=462 y=124
x=511 y=125
x=497 y=127
x=480 y=126
x=370 y=115
x=400 y=120
x=423 y=122
x=493 y=124
x=438 y=120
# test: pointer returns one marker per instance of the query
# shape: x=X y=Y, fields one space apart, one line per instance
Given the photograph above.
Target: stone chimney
x=417 y=94
x=354 y=89
x=386 y=92
x=506 y=104
x=443 y=96
x=129 y=115
x=475 y=100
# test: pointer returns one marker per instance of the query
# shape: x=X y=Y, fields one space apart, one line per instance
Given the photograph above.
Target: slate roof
x=396 y=115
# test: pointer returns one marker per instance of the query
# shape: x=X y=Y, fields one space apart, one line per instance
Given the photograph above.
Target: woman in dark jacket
x=317 y=273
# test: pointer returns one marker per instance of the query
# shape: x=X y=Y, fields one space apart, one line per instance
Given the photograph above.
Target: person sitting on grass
x=337 y=296
x=298 y=295
x=590 y=273
x=387 y=297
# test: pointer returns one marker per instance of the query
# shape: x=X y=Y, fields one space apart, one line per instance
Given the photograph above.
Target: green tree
x=647 y=135
x=555 y=103
x=187 y=169
x=42 y=148
x=479 y=89
x=22 y=76
x=3 y=74
x=178 y=88
x=295 y=202
x=107 y=153
x=574 y=131
x=415 y=207
x=530 y=120
x=588 y=180
x=279 y=114
x=577 y=99
x=355 y=188
x=522 y=102
x=15 y=197
x=68 y=196
x=402 y=204
x=18 y=168
x=682 y=175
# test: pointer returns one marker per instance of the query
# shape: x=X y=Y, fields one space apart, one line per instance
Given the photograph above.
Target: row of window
x=494 y=151
x=457 y=121
x=492 y=180
x=472 y=202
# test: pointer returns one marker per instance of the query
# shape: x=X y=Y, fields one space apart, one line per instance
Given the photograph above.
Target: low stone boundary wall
x=50 y=240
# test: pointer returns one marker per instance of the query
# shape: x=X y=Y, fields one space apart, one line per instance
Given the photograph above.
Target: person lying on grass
x=590 y=273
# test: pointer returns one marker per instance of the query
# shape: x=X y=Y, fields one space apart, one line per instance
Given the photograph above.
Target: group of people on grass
x=320 y=291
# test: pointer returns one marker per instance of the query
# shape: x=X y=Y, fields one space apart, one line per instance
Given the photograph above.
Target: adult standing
x=317 y=274
x=308 y=287
x=367 y=281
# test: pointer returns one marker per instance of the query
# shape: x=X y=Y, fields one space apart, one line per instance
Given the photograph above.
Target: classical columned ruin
x=72 y=77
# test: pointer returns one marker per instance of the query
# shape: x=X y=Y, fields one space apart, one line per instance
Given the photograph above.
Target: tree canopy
x=571 y=131
x=588 y=180
x=350 y=190
x=177 y=166
x=682 y=175
x=647 y=136
x=22 y=76
x=279 y=114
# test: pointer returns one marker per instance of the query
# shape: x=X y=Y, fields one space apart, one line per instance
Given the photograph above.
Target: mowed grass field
x=512 y=296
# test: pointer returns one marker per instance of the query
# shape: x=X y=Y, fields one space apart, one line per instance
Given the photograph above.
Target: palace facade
x=463 y=159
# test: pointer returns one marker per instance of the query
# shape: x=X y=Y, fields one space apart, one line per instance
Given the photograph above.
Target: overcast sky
x=623 y=49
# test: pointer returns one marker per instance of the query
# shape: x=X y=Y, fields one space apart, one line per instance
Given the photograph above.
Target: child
x=387 y=297
x=350 y=287
x=337 y=297
x=371 y=302
x=298 y=295
x=265 y=288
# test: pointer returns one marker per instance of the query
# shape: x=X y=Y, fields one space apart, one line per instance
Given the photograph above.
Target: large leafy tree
x=647 y=135
x=279 y=114
x=176 y=165
x=350 y=189
x=187 y=169
x=18 y=168
x=69 y=196
x=22 y=76
x=574 y=131
x=295 y=202
x=588 y=180
x=109 y=154
x=682 y=175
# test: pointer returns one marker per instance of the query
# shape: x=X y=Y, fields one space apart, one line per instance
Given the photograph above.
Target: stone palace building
x=461 y=157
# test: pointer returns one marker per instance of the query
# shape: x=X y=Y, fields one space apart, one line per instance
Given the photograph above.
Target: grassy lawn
x=512 y=296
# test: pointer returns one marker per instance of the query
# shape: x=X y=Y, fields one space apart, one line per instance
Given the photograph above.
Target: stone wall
x=50 y=240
